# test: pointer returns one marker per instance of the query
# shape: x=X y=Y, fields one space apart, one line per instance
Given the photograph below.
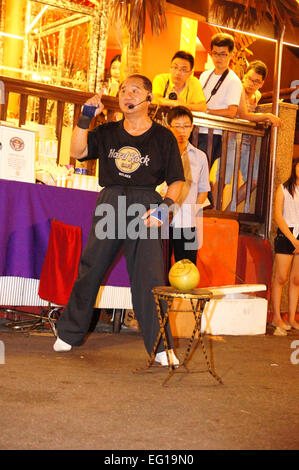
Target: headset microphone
x=131 y=106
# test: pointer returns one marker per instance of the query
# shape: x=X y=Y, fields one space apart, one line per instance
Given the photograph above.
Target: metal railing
x=61 y=106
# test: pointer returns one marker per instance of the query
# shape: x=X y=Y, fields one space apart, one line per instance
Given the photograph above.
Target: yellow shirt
x=191 y=94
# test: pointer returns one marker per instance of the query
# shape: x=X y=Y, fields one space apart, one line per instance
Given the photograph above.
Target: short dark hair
x=179 y=111
x=222 y=40
x=116 y=58
x=184 y=55
x=146 y=81
x=259 y=67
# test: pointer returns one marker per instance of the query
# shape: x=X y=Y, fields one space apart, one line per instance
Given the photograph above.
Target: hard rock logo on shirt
x=128 y=160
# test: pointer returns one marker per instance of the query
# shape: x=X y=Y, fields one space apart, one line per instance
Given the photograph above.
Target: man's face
x=221 y=57
x=180 y=71
x=252 y=81
x=181 y=128
x=132 y=92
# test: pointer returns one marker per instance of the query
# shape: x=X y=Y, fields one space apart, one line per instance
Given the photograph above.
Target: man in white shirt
x=183 y=240
x=222 y=89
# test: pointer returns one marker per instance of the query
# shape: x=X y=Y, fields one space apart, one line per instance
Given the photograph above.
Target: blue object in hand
x=160 y=213
x=89 y=110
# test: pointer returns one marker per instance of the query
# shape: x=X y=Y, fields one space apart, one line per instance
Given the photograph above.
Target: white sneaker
x=61 y=346
x=161 y=357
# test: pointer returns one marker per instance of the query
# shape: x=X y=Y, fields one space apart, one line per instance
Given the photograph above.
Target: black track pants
x=144 y=258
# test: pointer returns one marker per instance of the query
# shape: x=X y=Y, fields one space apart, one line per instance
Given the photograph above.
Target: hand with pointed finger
x=93 y=105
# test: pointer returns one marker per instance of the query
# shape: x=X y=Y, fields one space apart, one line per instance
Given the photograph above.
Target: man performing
x=135 y=155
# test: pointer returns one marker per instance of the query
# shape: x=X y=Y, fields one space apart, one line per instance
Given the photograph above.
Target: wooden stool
x=198 y=299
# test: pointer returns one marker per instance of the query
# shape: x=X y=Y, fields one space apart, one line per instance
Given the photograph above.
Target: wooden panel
x=236 y=171
x=42 y=110
x=250 y=172
x=23 y=109
x=222 y=170
x=59 y=124
x=61 y=95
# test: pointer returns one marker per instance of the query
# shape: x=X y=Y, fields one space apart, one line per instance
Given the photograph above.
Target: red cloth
x=255 y=262
x=60 y=267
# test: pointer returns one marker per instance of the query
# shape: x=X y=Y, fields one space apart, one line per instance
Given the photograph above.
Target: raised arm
x=78 y=147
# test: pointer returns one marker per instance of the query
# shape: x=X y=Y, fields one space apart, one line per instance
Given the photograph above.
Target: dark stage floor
x=90 y=398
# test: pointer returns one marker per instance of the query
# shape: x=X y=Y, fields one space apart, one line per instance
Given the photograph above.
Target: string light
x=9 y=35
x=253 y=34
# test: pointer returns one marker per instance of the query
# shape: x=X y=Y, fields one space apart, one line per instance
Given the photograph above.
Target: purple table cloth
x=26 y=211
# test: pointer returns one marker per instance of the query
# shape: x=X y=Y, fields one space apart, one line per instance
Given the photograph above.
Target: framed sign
x=17 y=154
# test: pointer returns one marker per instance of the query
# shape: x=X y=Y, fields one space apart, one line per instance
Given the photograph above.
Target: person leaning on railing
x=252 y=81
x=179 y=87
x=222 y=89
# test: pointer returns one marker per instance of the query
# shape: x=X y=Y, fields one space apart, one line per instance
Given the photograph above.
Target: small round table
x=198 y=299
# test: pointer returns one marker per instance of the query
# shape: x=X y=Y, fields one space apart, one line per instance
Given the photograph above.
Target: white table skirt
x=20 y=291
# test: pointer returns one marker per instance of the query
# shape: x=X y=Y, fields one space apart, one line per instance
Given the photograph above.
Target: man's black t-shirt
x=143 y=160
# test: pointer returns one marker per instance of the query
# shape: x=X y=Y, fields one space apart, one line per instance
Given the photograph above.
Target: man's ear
x=260 y=86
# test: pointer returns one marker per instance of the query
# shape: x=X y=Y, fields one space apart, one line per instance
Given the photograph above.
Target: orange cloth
x=60 y=267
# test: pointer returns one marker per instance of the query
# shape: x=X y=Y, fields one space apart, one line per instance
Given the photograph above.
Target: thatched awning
x=259 y=16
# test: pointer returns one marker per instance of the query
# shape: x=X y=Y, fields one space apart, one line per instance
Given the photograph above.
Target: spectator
x=253 y=80
x=112 y=85
x=135 y=155
x=183 y=228
x=222 y=89
x=221 y=86
x=286 y=246
x=179 y=87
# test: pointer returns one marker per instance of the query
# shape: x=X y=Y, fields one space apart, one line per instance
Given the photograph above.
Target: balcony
x=60 y=107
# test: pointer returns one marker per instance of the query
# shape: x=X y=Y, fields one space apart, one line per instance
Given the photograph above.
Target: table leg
x=197 y=327
x=197 y=312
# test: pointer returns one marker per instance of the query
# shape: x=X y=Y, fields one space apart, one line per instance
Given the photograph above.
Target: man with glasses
x=183 y=241
x=179 y=87
x=253 y=80
x=221 y=86
x=222 y=89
